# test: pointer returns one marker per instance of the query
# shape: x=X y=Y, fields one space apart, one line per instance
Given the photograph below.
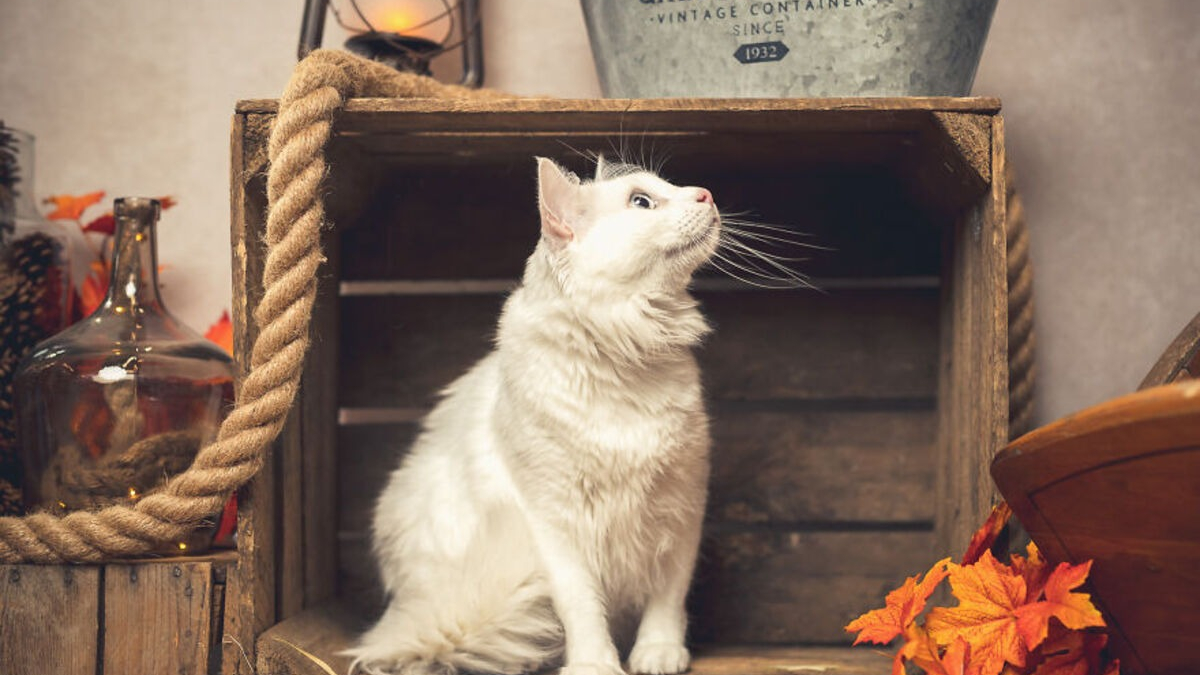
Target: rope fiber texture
x=318 y=89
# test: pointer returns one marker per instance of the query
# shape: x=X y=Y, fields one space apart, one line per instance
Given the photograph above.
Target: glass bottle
x=40 y=247
x=112 y=406
x=35 y=290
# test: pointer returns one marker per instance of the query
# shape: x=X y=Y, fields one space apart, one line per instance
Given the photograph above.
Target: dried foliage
x=1020 y=618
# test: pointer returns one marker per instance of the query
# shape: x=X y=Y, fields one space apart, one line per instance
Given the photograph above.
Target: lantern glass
x=429 y=19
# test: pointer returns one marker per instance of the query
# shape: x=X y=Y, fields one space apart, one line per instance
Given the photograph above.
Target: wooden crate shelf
x=852 y=427
x=305 y=643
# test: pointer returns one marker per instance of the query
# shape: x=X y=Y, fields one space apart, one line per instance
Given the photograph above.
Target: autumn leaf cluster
x=1023 y=617
x=94 y=287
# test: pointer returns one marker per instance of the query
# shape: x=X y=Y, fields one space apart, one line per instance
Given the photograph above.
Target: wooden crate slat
x=324 y=631
x=788 y=587
x=252 y=587
x=780 y=467
x=49 y=619
x=973 y=371
x=784 y=587
x=879 y=345
x=828 y=467
x=157 y=617
x=422 y=224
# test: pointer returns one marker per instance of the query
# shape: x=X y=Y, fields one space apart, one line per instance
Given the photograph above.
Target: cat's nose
x=704 y=196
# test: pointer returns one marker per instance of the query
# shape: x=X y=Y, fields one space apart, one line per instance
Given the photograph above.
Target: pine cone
x=29 y=310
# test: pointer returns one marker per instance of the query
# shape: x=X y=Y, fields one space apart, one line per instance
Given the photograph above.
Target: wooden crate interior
x=825 y=402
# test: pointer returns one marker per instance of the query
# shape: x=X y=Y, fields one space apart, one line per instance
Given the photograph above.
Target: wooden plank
x=235 y=653
x=390 y=357
x=324 y=631
x=762 y=149
x=157 y=617
x=49 y=619
x=419 y=222
x=851 y=344
x=792 y=587
x=949 y=168
x=770 y=660
x=251 y=589
x=761 y=586
x=216 y=627
x=978 y=104
x=869 y=344
x=422 y=224
x=318 y=409
x=823 y=467
x=776 y=466
x=320 y=633
x=289 y=521
x=971 y=136
x=973 y=381
x=367 y=456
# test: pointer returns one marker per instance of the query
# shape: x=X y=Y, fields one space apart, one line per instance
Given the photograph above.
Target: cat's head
x=627 y=230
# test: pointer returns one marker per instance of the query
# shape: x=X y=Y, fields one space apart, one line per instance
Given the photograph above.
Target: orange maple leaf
x=902 y=606
x=71 y=207
x=922 y=651
x=989 y=594
x=105 y=224
x=1033 y=569
x=957 y=660
x=985 y=537
x=221 y=332
x=1074 y=610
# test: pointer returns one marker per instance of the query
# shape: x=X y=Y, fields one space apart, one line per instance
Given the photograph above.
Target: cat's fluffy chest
x=609 y=416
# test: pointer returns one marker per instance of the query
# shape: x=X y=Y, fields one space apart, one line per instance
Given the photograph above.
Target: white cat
x=559 y=486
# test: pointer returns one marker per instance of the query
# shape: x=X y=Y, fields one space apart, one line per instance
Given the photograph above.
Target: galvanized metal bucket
x=787 y=48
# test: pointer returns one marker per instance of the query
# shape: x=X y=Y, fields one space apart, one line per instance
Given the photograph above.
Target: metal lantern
x=395 y=32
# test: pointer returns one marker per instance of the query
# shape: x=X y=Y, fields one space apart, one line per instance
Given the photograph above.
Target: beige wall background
x=1100 y=96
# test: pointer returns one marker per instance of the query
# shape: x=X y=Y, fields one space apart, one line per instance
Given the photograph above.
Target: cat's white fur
x=559 y=486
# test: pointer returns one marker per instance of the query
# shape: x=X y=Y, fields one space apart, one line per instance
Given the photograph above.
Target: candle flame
x=396 y=20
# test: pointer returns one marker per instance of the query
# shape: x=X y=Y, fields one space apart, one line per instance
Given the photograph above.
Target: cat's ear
x=558 y=195
x=601 y=166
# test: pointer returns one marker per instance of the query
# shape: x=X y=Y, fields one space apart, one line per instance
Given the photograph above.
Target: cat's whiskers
x=748 y=280
x=738 y=257
x=778 y=233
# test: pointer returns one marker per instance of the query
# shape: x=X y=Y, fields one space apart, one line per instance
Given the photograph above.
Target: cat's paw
x=659 y=658
x=591 y=669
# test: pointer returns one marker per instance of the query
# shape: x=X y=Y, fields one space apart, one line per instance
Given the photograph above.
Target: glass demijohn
x=112 y=406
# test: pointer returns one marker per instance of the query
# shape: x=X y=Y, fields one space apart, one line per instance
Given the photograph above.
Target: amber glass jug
x=114 y=405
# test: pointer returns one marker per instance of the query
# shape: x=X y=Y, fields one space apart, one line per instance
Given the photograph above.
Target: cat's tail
x=443 y=636
x=463 y=629
x=487 y=612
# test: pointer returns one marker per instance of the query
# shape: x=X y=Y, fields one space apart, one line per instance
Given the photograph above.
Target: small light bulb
x=182 y=546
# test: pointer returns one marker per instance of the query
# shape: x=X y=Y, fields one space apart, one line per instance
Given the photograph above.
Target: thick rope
x=318 y=88
x=1022 y=371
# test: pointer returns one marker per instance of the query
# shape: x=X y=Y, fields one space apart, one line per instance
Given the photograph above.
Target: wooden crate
x=853 y=427
x=138 y=617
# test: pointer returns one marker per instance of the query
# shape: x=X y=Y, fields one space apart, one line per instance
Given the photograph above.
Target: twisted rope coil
x=318 y=88
x=1022 y=372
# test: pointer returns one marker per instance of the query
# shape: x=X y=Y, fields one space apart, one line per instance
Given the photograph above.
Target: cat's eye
x=641 y=200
